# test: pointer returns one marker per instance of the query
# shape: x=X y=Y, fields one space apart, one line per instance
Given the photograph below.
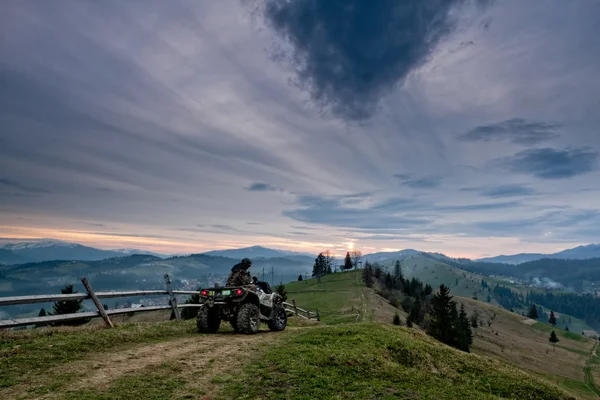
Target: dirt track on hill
x=202 y=360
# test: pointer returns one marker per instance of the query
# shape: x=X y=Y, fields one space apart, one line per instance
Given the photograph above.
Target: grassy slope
x=519 y=344
x=510 y=340
x=338 y=362
x=341 y=298
x=469 y=284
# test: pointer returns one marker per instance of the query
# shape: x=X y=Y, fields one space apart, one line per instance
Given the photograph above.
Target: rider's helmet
x=246 y=263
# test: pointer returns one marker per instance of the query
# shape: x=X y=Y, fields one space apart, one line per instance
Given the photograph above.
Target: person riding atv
x=244 y=302
x=239 y=275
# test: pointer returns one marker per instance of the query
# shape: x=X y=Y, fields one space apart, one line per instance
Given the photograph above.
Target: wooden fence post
x=172 y=298
x=318 y=316
x=96 y=301
x=295 y=308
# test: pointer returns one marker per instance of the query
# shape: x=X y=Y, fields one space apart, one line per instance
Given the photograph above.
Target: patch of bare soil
x=203 y=361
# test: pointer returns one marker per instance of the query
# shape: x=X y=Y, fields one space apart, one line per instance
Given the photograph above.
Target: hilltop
x=170 y=360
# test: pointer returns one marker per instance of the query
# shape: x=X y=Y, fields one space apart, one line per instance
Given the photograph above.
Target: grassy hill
x=170 y=360
x=503 y=334
x=351 y=354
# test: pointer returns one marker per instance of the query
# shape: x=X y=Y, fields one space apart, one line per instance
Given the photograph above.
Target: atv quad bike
x=244 y=307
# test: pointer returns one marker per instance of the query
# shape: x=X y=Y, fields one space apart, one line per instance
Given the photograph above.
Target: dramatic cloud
x=349 y=54
x=548 y=163
x=261 y=187
x=171 y=127
x=516 y=130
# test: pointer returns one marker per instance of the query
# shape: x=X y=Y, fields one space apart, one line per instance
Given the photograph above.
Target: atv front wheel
x=279 y=321
x=248 y=318
x=208 y=320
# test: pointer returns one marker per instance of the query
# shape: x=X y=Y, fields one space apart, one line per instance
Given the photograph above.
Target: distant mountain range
x=254 y=252
x=577 y=253
x=47 y=250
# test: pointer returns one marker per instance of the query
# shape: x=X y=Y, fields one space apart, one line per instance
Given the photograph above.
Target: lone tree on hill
x=348 y=262
x=552 y=319
x=320 y=267
x=300 y=278
x=329 y=259
x=533 y=314
x=553 y=339
x=281 y=290
x=356 y=257
x=396 y=319
x=42 y=313
x=68 y=307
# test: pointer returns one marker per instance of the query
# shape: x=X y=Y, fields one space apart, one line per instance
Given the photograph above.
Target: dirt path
x=203 y=359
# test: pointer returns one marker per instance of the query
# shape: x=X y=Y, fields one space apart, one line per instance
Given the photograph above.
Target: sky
x=467 y=127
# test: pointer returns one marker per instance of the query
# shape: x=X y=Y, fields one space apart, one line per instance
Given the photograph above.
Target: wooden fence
x=105 y=314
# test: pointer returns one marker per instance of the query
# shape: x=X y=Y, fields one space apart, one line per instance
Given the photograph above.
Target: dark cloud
x=261 y=187
x=424 y=183
x=300 y=233
x=348 y=54
x=517 y=130
x=508 y=191
x=548 y=163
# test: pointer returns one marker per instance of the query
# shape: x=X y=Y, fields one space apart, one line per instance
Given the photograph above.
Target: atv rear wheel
x=279 y=321
x=248 y=318
x=208 y=320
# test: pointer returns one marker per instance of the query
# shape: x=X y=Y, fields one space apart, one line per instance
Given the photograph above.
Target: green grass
x=540 y=326
x=34 y=357
x=374 y=361
x=338 y=296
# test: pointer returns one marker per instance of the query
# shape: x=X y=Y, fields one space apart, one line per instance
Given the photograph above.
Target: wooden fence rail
x=105 y=314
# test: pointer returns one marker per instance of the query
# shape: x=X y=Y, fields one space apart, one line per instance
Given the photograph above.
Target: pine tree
x=415 y=312
x=489 y=299
x=42 y=313
x=68 y=307
x=396 y=319
x=533 y=314
x=409 y=321
x=567 y=328
x=553 y=338
x=398 y=270
x=443 y=316
x=348 y=262
x=281 y=290
x=474 y=319
x=388 y=281
x=552 y=319
x=464 y=335
x=300 y=279
x=320 y=267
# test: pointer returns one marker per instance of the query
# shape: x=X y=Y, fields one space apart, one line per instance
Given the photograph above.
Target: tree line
x=436 y=313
